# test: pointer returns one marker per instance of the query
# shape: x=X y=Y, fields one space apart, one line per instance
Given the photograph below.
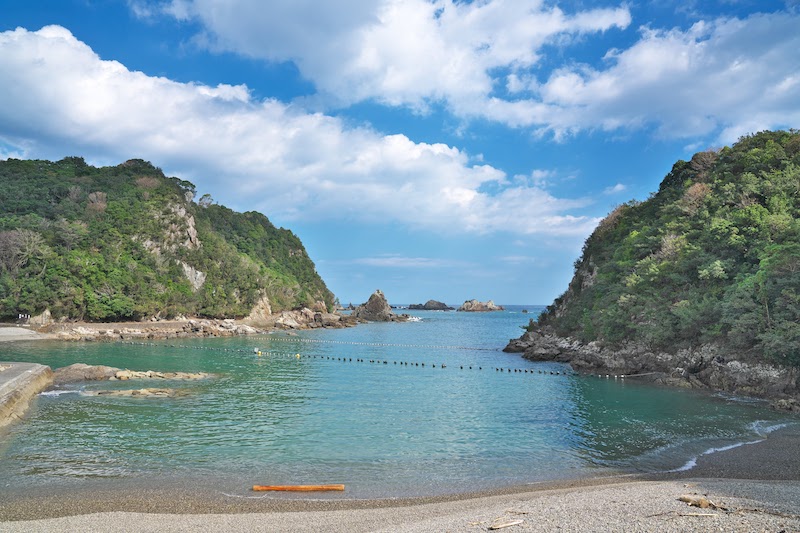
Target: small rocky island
x=474 y=306
x=377 y=309
x=431 y=305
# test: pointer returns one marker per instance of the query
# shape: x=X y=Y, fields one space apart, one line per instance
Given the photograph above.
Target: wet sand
x=758 y=484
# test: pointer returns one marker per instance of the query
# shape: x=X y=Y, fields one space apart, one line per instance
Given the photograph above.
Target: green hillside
x=127 y=243
x=712 y=257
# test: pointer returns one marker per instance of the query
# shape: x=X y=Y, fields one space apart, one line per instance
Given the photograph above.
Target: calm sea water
x=307 y=411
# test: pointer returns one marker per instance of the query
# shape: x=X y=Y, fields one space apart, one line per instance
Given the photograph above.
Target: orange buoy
x=299 y=488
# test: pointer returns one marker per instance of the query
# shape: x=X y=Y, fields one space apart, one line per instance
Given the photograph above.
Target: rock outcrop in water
x=139 y=393
x=431 y=305
x=705 y=367
x=474 y=306
x=80 y=372
x=377 y=309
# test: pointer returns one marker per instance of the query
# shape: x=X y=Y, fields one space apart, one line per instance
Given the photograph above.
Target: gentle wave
x=760 y=428
x=58 y=392
x=691 y=463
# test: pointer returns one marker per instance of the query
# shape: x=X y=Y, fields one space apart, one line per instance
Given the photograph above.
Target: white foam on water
x=691 y=463
x=58 y=392
x=760 y=427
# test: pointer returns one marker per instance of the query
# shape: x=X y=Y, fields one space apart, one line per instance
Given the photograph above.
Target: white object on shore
x=504 y=524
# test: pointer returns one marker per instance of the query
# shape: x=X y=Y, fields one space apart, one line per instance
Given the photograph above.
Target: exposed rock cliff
x=377 y=309
x=431 y=305
x=705 y=367
x=479 y=307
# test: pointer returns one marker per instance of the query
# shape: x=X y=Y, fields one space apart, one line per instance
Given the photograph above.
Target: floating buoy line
x=375 y=361
x=387 y=344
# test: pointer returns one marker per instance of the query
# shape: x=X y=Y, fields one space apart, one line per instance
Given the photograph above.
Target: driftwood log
x=299 y=488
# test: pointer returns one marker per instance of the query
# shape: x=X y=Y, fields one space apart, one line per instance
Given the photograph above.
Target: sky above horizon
x=433 y=149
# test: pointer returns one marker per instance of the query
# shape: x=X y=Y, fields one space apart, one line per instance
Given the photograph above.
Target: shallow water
x=307 y=411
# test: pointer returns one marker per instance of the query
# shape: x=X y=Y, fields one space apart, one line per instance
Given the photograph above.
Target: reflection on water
x=391 y=429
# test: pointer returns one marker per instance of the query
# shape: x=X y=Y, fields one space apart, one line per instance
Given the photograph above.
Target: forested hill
x=712 y=257
x=127 y=243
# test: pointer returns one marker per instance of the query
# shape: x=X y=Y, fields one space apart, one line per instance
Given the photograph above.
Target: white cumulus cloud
x=728 y=75
x=398 y=52
x=721 y=76
x=59 y=98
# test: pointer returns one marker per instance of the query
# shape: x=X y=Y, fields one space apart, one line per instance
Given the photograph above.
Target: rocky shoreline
x=261 y=321
x=705 y=367
x=474 y=306
x=194 y=327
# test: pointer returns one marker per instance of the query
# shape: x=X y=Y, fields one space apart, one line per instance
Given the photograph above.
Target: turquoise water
x=384 y=429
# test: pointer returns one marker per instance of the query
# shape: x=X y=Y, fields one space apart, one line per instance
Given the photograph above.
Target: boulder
x=476 y=306
x=377 y=309
x=431 y=305
x=139 y=393
x=124 y=375
x=261 y=313
x=81 y=372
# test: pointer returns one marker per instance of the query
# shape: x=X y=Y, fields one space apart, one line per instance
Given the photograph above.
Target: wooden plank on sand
x=299 y=488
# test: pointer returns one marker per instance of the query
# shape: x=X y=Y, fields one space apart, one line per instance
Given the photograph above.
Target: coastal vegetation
x=713 y=257
x=128 y=243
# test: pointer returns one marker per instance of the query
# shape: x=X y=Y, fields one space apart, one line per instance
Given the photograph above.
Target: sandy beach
x=755 y=487
x=632 y=506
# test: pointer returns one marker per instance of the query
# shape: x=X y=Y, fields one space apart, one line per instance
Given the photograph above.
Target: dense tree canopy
x=126 y=242
x=713 y=256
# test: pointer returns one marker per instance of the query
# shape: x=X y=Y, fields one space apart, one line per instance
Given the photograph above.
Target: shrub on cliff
x=713 y=256
x=127 y=242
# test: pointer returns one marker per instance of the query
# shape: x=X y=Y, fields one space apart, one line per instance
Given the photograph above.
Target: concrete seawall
x=19 y=384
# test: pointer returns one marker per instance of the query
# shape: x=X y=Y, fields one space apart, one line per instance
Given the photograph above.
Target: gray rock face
x=704 y=367
x=431 y=305
x=377 y=309
x=81 y=372
x=479 y=307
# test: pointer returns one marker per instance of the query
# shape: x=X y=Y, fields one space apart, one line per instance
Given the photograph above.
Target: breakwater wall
x=19 y=385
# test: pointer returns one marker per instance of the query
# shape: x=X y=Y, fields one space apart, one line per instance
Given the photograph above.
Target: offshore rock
x=431 y=305
x=124 y=375
x=479 y=307
x=703 y=367
x=81 y=372
x=377 y=309
x=139 y=393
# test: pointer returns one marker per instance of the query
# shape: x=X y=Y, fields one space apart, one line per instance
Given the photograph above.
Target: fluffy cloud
x=729 y=75
x=483 y=60
x=61 y=99
x=399 y=52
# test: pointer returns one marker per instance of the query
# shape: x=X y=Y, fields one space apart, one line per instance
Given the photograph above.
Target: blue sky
x=430 y=148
